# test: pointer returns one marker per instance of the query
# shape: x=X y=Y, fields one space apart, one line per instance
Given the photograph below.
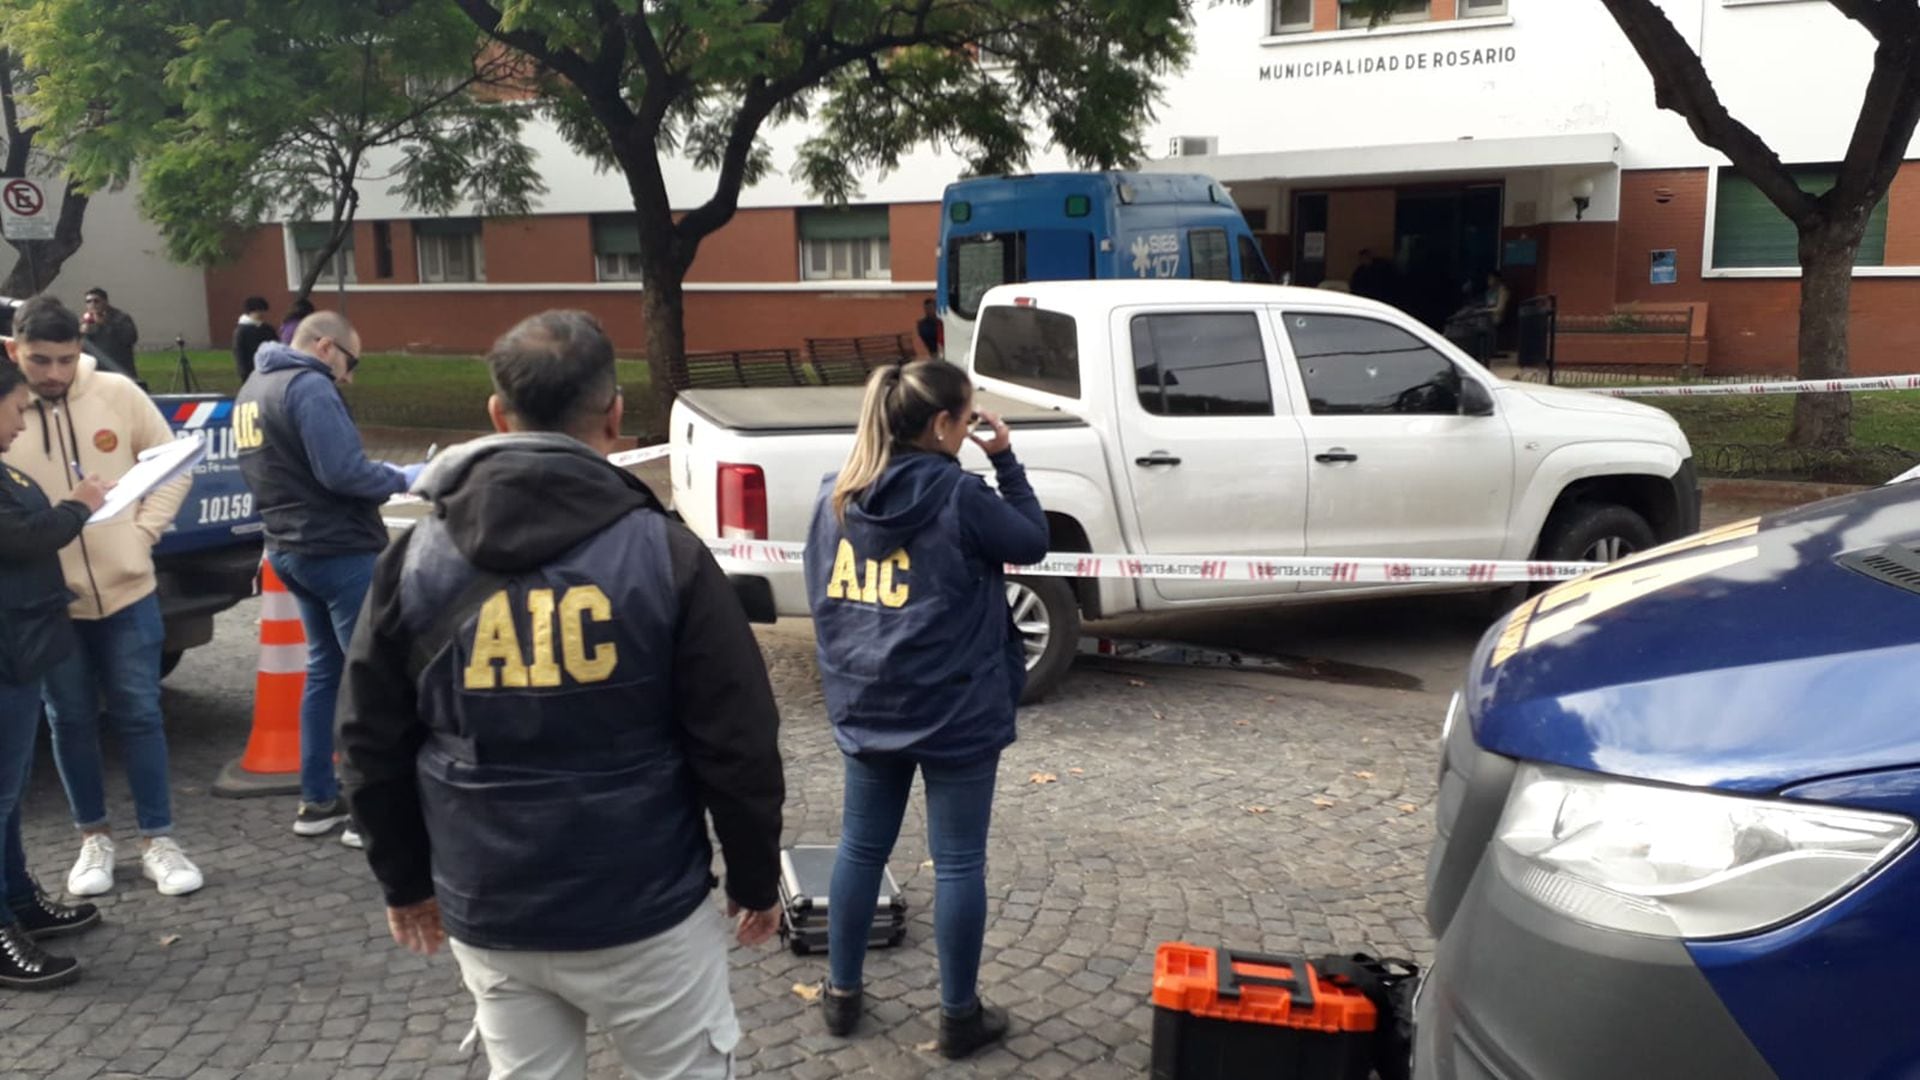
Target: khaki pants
x=663 y=1001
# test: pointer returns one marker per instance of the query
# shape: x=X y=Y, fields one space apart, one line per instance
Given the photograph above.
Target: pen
x=77 y=474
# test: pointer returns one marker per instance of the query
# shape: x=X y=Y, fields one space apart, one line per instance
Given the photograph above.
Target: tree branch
x=1888 y=117
x=1681 y=85
x=563 y=61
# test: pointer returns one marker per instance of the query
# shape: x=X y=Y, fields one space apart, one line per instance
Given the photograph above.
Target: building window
x=383 y=249
x=1750 y=233
x=1201 y=364
x=1292 y=16
x=310 y=239
x=450 y=250
x=1478 y=9
x=616 y=247
x=845 y=244
x=1404 y=11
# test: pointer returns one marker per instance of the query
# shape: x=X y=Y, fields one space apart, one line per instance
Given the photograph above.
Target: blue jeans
x=330 y=590
x=19 y=722
x=115 y=673
x=959 y=808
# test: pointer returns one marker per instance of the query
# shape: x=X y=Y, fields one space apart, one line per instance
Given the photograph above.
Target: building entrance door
x=1446 y=241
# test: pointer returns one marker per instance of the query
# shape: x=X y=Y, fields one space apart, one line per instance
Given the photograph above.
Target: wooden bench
x=848 y=361
x=739 y=368
x=1668 y=337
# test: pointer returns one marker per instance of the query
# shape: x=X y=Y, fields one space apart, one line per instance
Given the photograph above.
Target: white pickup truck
x=1202 y=417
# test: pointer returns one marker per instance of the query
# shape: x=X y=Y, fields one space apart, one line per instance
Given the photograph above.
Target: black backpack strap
x=464 y=603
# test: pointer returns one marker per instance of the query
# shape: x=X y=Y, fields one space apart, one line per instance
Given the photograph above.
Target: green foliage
x=701 y=78
x=235 y=110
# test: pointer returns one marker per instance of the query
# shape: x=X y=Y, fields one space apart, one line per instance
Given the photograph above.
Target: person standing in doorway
x=921 y=667
x=254 y=331
x=553 y=689
x=83 y=422
x=320 y=499
x=111 y=332
x=35 y=634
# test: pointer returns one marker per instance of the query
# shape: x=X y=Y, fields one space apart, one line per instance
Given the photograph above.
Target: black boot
x=43 y=918
x=961 y=1036
x=842 y=1010
x=25 y=966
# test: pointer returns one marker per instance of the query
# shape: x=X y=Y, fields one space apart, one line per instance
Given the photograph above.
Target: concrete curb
x=1777 y=492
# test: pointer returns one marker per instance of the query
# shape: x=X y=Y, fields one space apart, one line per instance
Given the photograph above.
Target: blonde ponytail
x=902 y=399
x=872 y=443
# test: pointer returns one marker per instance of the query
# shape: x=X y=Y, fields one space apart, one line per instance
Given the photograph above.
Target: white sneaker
x=93 y=871
x=351 y=837
x=169 y=868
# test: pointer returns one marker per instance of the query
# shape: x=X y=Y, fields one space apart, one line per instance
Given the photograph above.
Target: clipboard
x=152 y=469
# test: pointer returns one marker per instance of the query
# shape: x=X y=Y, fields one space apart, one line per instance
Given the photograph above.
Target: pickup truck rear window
x=1029 y=347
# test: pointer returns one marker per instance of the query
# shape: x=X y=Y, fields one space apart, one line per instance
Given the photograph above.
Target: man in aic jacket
x=553 y=686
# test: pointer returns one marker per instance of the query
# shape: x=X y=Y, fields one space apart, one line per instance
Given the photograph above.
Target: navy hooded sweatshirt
x=918 y=654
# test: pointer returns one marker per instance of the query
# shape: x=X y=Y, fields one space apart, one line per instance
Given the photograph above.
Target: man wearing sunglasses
x=320 y=498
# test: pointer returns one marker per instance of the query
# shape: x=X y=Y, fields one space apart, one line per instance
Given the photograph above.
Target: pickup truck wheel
x=169 y=661
x=1598 y=534
x=1047 y=618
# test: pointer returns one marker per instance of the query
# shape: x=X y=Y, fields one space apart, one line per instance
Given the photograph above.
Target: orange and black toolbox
x=1224 y=1014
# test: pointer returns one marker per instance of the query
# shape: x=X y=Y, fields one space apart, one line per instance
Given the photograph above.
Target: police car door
x=1210 y=447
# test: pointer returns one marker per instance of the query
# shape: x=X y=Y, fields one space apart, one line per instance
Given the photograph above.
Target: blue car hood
x=1749 y=658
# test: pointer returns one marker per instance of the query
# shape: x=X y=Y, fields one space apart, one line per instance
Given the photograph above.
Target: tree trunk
x=1827 y=252
x=663 y=304
x=40 y=261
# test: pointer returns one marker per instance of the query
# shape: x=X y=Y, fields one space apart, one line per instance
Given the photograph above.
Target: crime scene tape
x=1361 y=571
x=1803 y=386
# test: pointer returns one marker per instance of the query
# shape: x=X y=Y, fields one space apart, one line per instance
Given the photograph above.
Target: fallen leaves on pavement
x=1043 y=778
x=808 y=992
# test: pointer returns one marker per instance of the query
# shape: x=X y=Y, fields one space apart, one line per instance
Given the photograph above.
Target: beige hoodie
x=106 y=421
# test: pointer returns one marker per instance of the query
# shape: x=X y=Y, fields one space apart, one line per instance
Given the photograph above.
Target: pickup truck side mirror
x=1475 y=398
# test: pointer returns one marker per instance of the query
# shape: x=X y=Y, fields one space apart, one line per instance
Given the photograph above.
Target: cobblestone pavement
x=1260 y=812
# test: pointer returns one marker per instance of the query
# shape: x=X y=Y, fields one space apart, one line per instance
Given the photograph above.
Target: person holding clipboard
x=85 y=420
x=35 y=634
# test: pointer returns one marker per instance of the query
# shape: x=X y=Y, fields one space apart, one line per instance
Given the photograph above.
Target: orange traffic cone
x=271 y=763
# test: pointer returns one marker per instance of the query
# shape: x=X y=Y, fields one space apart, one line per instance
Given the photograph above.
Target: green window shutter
x=616 y=234
x=312 y=236
x=1749 y=232
x=844 y=223
x=447 y=227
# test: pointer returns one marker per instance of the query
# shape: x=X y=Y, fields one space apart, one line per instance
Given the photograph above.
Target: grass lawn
x=391 y=390
x=1732 y=436
x=1746 y=437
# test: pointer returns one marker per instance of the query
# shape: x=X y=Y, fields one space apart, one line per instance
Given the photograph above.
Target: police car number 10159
x=224 y=508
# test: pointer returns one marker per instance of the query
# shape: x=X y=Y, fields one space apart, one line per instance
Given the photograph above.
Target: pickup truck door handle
x=1335 y=457
x=1156 y=459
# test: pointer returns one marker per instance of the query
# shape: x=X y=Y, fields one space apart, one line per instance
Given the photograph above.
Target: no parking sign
x=23 y=211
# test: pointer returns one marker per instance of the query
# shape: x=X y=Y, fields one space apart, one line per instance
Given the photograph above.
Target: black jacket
x=247 y=339
x=588 y=690
x=35 y=633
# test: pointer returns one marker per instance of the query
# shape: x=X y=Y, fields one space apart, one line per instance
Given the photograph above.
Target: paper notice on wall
x=1665 y=267
x=1313 y=247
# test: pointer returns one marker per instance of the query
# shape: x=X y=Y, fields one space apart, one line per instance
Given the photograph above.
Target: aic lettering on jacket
x=246 y=426
x=497 y=659
x=869 y=581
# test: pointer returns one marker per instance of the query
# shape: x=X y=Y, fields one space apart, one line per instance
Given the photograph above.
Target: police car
x=1677 y=815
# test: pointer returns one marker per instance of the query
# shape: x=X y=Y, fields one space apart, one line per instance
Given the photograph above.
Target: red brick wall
x=757 y=245
x=914 y=231
x=1577 y=265
x=551 y=248
x=1754 y=323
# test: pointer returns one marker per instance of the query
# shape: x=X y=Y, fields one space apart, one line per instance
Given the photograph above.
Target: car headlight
x=1670 y=862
